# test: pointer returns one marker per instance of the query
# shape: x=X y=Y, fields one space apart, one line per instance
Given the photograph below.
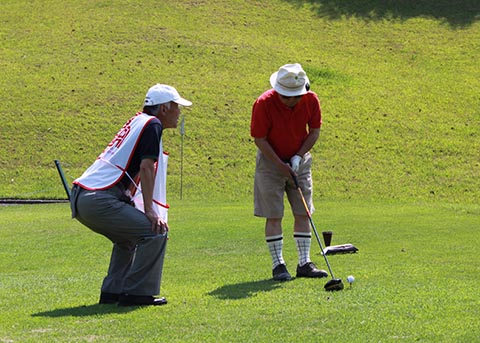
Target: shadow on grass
x=245 y=289
x=458 y=14
x=84 y=311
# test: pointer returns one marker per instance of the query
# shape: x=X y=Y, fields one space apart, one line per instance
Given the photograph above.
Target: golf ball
x=350 y=279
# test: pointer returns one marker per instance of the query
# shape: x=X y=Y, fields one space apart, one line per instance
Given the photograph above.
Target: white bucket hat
x=290 y=80
x=161 y=94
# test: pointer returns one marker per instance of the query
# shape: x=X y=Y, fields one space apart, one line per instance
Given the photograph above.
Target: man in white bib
x=102 y=199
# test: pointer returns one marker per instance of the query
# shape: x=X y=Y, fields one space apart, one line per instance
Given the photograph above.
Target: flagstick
x=182 y=133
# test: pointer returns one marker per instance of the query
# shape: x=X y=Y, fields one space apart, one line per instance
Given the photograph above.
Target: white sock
x=275 y=246
x=303 y=241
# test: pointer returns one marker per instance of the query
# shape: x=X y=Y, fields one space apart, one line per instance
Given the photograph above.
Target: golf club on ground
x=334 y=284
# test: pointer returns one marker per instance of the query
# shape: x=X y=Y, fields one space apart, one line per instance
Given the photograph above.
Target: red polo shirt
x=285 y=128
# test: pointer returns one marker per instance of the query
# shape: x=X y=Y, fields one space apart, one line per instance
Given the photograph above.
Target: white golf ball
x=350 y=279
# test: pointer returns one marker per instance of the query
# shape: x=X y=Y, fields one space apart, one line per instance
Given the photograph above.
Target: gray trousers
x=136 y=263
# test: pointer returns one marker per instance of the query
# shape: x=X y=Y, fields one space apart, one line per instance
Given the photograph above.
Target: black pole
x=62 y=177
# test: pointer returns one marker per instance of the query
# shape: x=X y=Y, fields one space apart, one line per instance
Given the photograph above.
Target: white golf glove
x=295 y=162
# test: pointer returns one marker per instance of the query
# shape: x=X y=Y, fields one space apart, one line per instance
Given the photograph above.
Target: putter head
x=334 y=285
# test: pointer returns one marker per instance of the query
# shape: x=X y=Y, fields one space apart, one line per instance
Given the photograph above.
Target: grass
x=397 y=81
x=414 y=278
x=396 y=170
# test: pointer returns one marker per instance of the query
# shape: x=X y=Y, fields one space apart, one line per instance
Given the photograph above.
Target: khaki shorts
x=270 y=186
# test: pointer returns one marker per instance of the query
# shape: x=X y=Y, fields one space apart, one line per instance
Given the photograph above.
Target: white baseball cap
x=290 y=80
x=161 y=94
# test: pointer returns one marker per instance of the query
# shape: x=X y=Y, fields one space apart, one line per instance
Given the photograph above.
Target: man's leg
x=137 y=261
x=145 y=274
x=303 y=238
x=120 y=262
x=269 y=188
x=302 y=233
x=274 y=239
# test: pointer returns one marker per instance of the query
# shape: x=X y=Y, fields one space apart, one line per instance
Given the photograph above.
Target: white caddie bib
x=111 y=165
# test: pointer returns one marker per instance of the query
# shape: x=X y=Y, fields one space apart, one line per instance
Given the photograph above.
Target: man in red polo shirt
x=285 y=125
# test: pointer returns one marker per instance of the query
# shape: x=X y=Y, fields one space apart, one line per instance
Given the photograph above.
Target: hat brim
x=183 y=102
x=287 y=91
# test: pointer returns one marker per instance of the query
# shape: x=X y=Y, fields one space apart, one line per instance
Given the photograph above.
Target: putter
x=334 y=284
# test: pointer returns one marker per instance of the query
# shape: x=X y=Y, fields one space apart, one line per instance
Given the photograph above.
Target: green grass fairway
x=415 y=278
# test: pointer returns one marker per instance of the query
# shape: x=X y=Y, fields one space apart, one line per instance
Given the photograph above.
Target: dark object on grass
x=327 y=237
x=340 y=249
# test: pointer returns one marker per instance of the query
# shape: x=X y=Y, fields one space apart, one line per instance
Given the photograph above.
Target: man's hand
x=295 y=162
x=147 y=175
x=286 y=170
x=270 y=154
x=158 y=225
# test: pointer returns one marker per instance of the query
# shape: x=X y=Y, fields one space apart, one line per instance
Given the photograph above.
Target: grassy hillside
x=398 y=85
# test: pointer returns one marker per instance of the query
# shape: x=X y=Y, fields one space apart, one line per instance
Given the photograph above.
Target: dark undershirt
x=148 y=147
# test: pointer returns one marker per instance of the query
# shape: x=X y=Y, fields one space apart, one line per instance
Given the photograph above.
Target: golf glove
x=295 y=162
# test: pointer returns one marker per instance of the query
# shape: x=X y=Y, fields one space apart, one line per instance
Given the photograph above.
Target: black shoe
x=140 y=300
x=280 y=273
x=310 y=270
x=108 y=298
